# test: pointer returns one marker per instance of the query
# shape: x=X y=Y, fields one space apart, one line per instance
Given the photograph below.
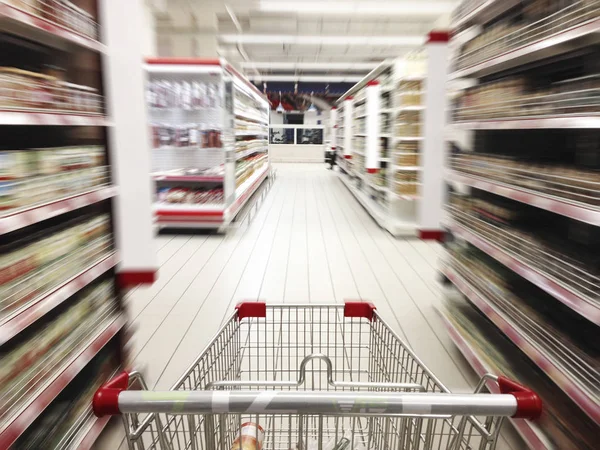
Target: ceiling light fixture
x=386 y=8
x=306 y=78
x=343 y=66
x=410 y=41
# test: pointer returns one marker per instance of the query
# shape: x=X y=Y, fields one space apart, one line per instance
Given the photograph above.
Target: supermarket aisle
x=311 y=242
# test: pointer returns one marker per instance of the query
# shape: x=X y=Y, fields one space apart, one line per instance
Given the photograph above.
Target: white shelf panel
x=22 y=218
x=251 y=151
x=578 y=303
x=579 y=36
x=59 y=381
x=394 y=226
x=38 y=307
x=42 y=30
x=185 y=208
x=537 y=199
x=545 y=363
x=188 y=178
x=409 y=138
x=529 y=123
x=251 y=133
x=531 y=434
x=410 y=108
x=407 y=168
x=52 y=118
x=245 y=191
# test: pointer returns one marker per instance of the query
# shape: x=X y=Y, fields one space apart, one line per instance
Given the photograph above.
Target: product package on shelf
x=32 y=176
x=36 y=263
x=66 y=422
x=544 y=323
x=562 y=423
x=25 y=90
x=190 y=196
x=28 y=360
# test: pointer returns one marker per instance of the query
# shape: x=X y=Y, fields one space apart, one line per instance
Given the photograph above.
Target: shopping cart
x=311 y=376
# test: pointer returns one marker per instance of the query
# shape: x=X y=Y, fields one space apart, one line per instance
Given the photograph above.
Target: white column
x=348 y=112
x=373 y=128
x=334 y=128
x=128 y=139
x=148 y=30
x=433 y=188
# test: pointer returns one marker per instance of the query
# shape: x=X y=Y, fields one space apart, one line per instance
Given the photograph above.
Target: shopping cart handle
x=529 y=404
x=106 y=399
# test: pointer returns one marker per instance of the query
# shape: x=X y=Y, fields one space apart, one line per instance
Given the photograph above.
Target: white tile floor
x=310 y=242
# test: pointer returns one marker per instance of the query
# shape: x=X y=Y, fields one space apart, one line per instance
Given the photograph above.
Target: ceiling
x=279 y=39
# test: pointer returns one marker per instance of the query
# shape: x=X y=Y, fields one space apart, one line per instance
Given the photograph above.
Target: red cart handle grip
x=529 y=404
x=106 y=398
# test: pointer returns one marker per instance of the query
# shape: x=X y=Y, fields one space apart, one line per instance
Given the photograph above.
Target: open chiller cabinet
x=209 y=129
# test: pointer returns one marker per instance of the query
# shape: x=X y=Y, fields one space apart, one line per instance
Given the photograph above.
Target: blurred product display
x=37 y=263
x=524 y=186
x=65 y=423
x=60 y=12
x=24 y=90
x=61 y=319
x=210 y=141
x=530 y=22
x=33 y=176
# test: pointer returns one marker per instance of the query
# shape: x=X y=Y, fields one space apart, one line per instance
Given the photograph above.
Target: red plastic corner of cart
x=106 y=399
x=359 y=309
x=251 y=309
x=529 y=404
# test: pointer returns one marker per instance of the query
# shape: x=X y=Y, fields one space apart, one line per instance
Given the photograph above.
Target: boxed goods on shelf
x=518 y=96
x=190 y=196
x=539 y=20
x=25 y=90
x=39 y=354
x=34 y=264
x=549 y=327
x=513 y=228
x=29 y=177
x=556 y=180
x=184 y=95
x=187 y=135
x=562 y=423
x=67 y=420
x=245 y=168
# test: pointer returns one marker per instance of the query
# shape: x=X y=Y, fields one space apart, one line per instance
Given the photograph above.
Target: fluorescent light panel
x=346 y=67
x=402 y=8
x=321 y=39
x=306 y=78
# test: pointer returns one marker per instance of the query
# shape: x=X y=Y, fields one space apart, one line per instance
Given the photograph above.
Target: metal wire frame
x=548 y=261
x=554 y=24
x=24 y=290
x=537 y=178
x=578 y=366
x=272 y=352
x=31 y=191
x=19 y=391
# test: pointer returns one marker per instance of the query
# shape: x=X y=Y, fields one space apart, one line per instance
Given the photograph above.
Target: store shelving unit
x=56 y=218
x=210 y=141
x=511 y=202
x=528 y=431
x=389 y=137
